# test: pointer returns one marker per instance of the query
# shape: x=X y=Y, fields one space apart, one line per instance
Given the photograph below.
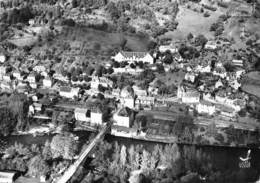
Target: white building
x=39 y=68
x=82 y=114
x=31 y=22
x=105 y=82
x=37 y=107
x=188 y=95
x=7 y=78
x=127 y=97
x=171 y=48
x=238 y=62
x=128 y=102
x=31 y=78
x=220 y=71
x=239 y=73
x=145 y=101
x=96 y=116
x=218 y=84
x=47 y=82
x=122 y=117
x=203 y=69
x=2 y=58
x=133 y=56
x=190 y=77
x=129 y=70
x=68 y=92
x=60 y=77
x=139 y=91
x=206 y=107
x=211 y=45
x=7 y=177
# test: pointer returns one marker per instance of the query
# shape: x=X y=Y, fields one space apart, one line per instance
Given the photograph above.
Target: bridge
x=73 y=168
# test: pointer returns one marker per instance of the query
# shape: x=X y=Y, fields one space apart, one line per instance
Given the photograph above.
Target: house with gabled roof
x=31 y=78
x=188 y=95
x=123 y=56
x=7 y=177
x=68 y=92
x=2 y=58
x=127 y=97
x=139 y=91
x=205 y=107
x=105 y=82
x=171 y=48
x=82 y=114
x=122 y=117
x=47 y=82
x=7 y=77
x=96 y=115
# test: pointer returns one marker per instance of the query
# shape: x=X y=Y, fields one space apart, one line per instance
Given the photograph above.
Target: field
x=251 y=84
x=194 y=22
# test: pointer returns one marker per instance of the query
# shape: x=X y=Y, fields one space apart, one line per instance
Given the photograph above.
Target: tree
x=89 y=70
x=160 y=69
x=145 y=165
x=46 y=152
x=116 y=64
x=122 y=42
x=188 y=52
x=99 y=71
x=229 y=67
x=170 y=155
x=113 y=11
x=168 y=59
x=8 y=122
x=155 y=157
x=103 y=152
x=201 y=40
x=37 y=166
x=123 y=156
x=63 y=145
x=190 y=36
x=74 y=3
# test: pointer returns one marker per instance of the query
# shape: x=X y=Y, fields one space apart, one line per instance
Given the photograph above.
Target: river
x=222 y=158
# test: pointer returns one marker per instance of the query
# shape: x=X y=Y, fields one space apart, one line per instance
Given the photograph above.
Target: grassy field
x=251 y=84
x=194 y=22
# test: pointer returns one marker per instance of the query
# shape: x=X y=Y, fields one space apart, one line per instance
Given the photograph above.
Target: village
x=127 y=91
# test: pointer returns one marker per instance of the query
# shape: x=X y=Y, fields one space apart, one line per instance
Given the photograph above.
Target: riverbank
x=131 y=135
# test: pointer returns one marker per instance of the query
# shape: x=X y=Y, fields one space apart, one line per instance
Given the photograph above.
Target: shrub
x=206 y=14
x=209 y=7
x=222 y=4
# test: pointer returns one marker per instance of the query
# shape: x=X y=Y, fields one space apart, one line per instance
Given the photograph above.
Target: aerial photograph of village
x=129 y=91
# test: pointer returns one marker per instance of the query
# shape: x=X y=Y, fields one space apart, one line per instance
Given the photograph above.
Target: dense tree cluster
x=64 y=146
x=119 y=161
x=14 y=16
x=188 y=52
x=14 y=114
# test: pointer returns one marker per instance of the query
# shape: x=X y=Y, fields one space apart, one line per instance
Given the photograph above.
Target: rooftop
x=127 y=54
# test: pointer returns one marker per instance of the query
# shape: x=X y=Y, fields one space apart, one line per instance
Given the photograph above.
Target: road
x=73 y=168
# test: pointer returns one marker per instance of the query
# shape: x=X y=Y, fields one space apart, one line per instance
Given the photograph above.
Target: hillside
x=251 y=83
